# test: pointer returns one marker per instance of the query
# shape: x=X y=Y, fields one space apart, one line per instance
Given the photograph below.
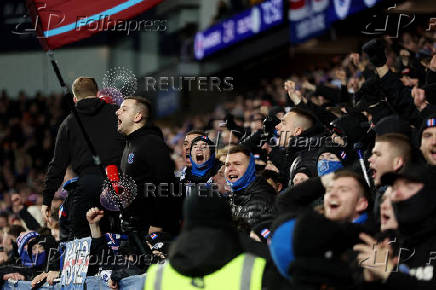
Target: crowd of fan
x=359 y=118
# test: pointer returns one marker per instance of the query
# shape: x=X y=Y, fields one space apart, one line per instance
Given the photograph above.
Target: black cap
x=413 y=172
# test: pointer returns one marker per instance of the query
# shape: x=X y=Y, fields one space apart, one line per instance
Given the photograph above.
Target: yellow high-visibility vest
x=242 y=273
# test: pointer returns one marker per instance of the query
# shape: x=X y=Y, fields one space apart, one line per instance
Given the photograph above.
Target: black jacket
x=253 y=204
x=399 y=97
x=146 y=159
x=303 y=150
x=417 y=257
x=100 y=121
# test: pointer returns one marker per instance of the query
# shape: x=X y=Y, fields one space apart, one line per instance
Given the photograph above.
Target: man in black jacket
x=388 y=82
x=146 y=159
x=414 y=204
x=99 y=119
x=252 y=198
x=302 y=135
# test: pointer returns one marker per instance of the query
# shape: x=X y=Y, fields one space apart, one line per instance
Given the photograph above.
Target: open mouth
x=374 y=173
x=119 y=122
x=187 y=157
x=233 y=177
x=199 y=157
x=333 y=205
x=384 y=219
x=433 y=153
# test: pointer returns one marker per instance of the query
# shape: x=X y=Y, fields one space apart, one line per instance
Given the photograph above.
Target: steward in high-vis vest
x=208 y=253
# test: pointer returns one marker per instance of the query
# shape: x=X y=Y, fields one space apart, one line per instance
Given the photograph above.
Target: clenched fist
x=94 y=215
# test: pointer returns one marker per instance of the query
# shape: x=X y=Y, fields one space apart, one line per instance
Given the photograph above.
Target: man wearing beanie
x=187 y=142
x=252 y=197
x=428 y=139
x=208 y=253
x=414 y=203
x=204 y=165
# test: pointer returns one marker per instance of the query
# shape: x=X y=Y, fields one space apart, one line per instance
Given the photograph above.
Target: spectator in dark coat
x=99 y=120
x=414 y=204
x=301 y=134
x=146 y=159
x=252 y=197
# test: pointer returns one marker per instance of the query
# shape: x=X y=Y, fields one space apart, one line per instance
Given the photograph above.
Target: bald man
x=293 y=124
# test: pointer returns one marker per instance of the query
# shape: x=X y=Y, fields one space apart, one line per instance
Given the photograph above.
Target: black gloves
x=270 y=123
x=375 y=49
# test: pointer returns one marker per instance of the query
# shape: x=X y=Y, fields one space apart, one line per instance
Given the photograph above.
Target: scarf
x=248 y=177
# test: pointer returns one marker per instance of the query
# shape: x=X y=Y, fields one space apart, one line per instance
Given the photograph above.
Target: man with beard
x=146 y=160
x=414 y=203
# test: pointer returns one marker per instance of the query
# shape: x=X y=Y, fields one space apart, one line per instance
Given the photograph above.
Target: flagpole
x=67 y=93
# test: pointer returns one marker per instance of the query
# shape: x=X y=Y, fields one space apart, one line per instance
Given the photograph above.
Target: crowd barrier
x=92 y=282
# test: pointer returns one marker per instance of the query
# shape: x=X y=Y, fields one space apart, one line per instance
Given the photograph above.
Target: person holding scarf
x=204 y=164
x=252 y=198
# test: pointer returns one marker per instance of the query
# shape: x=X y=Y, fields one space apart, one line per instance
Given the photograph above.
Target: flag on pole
x=59 y=22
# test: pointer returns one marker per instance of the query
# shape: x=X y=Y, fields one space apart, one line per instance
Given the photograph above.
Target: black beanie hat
x=429 y=121
x=393 y=124
x=337 y=150
x=375 y=49
x=203 y=208
x=204 y=139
